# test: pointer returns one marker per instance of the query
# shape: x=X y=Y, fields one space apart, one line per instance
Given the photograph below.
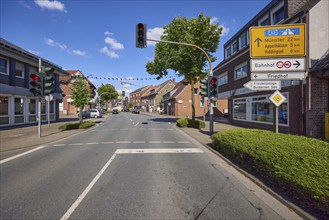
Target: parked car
x=135 y=110
x=92 y=113
x=115 y=111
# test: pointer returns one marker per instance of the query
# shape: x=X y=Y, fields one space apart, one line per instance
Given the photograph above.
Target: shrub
x=186 y=122
x=296 y=164
x=83 y=125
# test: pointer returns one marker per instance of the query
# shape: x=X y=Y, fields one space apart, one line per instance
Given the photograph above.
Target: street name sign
x=277 y=98
x=277 y=41
x=263 y=85
x=277 y=64
x=278 y=76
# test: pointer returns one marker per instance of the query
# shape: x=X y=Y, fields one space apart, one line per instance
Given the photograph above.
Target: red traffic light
x=35 y=77
x=213 y=80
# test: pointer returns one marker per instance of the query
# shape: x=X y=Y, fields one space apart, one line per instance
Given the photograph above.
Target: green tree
x=106 y=92
x=185 y=60
x=81 y=95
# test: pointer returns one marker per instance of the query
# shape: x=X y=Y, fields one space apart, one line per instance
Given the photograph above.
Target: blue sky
x=98 y=37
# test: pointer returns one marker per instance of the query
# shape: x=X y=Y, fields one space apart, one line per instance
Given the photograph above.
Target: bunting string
x=128 y=78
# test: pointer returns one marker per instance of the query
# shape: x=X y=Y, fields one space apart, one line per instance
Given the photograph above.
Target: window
x=4 y=110
x=240 y=71
x=239 y=111
x=228 y=52
x=195 y=91
x=262 y=110
x=243 y=40
x=264 y=21
x=4 y=66
x=234 y=47
x=19 y=71
x=278 y=16
x=201 y=103
x=32 y=110
x=19 y=110
x=222 y=79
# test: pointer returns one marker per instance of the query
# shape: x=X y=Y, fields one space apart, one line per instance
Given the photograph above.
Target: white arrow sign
x=284 y=64
x=278 y=76
x=263 y=85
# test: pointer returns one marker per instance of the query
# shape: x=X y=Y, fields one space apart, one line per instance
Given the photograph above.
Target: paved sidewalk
x=18 y=139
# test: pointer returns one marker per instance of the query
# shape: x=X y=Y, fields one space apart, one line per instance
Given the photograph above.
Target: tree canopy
x=81 y=95
x=107 y=92
x=185 y=60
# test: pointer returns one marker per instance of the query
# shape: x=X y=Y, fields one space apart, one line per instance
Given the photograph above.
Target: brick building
x=178 y=102
x=306 y=100
x=66 y=107
x=135 y=97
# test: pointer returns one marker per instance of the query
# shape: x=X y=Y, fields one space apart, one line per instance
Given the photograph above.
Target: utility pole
x=39 y=105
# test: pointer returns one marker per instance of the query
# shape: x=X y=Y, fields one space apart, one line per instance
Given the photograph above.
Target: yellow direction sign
x=277 y=41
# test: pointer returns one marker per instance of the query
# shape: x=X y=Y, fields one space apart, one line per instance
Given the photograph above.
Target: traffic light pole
x=39 y=107
x=211 y=121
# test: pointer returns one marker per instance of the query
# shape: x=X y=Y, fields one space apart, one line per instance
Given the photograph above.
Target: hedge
x=187 y=122
x=296 y=165
x=83 y=125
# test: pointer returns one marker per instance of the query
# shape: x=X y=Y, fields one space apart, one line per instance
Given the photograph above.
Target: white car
x=135 y=110
x=92 y=113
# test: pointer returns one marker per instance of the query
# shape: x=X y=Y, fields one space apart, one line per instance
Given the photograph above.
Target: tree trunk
x=80 y=115
x=193 y=100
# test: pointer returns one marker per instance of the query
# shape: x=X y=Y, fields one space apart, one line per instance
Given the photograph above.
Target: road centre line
x=59 y=145
x=168 y=142
x=92 y=143
x=136 y=124
x=183 y=142
x=109 y=142
x=139 y=142
x=76 y=144
x=123 y=142
x=155 y=142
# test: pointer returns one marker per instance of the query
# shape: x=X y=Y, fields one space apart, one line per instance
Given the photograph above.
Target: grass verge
x=83 y=125
x=295 y=165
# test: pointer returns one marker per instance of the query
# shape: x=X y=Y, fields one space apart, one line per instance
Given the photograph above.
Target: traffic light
x=48 y=81
x=213 y=88
x=141 y=35
x=204 y=83
x=62 y=95
x=36 y=83
x=204 y=87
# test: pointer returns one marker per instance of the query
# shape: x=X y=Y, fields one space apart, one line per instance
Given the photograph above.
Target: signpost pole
x=276 y=119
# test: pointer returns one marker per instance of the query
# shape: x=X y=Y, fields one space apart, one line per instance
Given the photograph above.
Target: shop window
x=239 y=111
x=4 y=111
x=262 y=111
x=4 y=66
x=19 y=110
x=32 y=110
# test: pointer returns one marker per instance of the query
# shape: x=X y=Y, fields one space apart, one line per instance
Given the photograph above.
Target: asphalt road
x=131 y=166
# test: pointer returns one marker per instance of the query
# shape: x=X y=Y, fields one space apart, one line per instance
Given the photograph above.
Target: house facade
x=178 y=102
x=301 y=113
x=66 y=107
x=152 y=100
x=17 y=104
x=135 y=97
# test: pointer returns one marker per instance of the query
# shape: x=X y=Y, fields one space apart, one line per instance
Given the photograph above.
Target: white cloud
x=225 y=30
x=115 y=45
x=155 y=34
x=53 y=43
x=108 y=33
x=79 y=53
x=51 y=5
x=109 y=53
x=213 y=20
